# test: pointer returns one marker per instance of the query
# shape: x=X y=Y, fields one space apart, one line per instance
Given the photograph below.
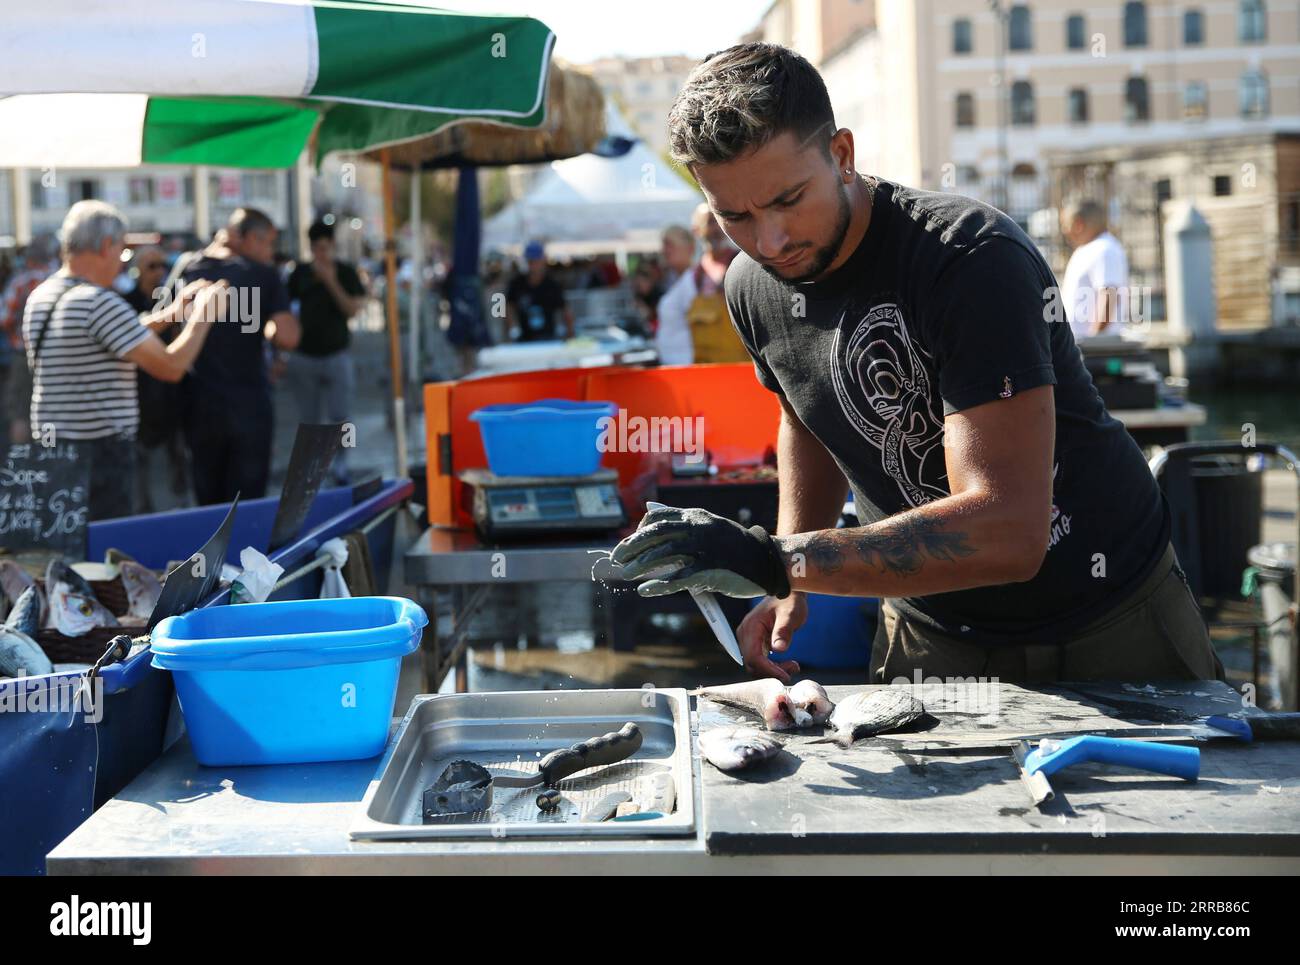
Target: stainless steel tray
x=512 y=731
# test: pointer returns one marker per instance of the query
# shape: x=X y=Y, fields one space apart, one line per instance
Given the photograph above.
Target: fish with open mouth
x=737 y=748
x=767 y=698
x=142 y=592
x=872 y=712
x=20 y=655
x=74 y=609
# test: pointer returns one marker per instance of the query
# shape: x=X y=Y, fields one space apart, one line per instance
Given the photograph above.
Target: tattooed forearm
x=903 y=548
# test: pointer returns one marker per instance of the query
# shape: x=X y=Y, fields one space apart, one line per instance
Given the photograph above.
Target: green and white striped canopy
x=246 y=83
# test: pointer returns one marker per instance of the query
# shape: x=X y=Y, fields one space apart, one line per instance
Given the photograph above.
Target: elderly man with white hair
x=84 y=343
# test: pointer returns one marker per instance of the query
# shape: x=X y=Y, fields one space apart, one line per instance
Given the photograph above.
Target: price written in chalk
x=43 y=499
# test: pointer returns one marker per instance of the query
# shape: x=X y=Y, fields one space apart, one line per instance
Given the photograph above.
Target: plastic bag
x=332 y=585
x=256 y=580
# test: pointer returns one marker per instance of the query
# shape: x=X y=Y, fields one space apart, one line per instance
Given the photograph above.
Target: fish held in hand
x=810 y=697
x=20 y=655
x=767 y=698
x=873 y=712
x=737 y=748
x=74 y=609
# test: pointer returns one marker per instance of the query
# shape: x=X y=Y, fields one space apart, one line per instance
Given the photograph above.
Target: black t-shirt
x=232 y=363
x=943 y=307
x=537 y=307
x=324 y=326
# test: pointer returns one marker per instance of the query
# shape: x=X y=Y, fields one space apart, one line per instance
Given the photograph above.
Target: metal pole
x=1001 y=18
x=394 y=339
x=417 y=280
x=202 y=205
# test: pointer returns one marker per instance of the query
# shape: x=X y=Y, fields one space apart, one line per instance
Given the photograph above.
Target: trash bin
x=1229 y=506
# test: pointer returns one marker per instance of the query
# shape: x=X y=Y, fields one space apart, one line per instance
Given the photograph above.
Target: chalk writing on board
x=43 y=492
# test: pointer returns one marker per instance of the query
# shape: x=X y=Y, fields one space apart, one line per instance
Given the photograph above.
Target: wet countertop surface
x=879 y=798
x=813 y=800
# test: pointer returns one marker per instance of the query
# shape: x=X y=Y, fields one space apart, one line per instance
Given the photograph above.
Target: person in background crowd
x=693 y=322
x=160 y=424
x=328 y=293
x=1096 y=276
x=228 y=414
x=534 y=301
x=37 y=264
x=678 y=249
x=646 y=292
x=84 y=342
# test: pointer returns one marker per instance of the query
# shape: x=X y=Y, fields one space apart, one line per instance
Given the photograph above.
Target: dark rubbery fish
x=873 y=712
x=737 y=748
x=20 y=655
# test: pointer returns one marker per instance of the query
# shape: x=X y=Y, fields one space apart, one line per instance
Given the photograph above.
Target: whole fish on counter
x=873 y=712
x=737 y=748
x=803 y=705
x=20 y=655
x=74 y=609
x=811 y=697
x=767 y=698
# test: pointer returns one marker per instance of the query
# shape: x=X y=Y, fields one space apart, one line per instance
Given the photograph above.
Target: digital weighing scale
x=520 y=506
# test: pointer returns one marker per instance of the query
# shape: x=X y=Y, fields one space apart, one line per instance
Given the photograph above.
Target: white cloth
x=333 y=586
x=673 y=337
x=1098 y=265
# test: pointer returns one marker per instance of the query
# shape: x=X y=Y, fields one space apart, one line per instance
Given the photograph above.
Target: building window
x=1252 y=22
x=1137 y=101
x=1254 y=94
x=1195 y=101
x=1075 y=32
x=38 y=195
x=1164 y=191
x=1193 y=28
x=140 y=190
x=1222 y=185
x=87 y=190
x=1022 y=103
x=965 y=110
x=1078 y=106
x=1021 y=31
x=259 y=186
x=1135 y=24
x=961 y=38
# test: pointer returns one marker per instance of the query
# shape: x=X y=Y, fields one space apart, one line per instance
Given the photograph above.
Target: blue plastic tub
x=288 y=682
x=549 y=437
x=837 y=634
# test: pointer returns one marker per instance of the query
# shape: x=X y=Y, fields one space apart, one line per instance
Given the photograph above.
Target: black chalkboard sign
x=43 y=499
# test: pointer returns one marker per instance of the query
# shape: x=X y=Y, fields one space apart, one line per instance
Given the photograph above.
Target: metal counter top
x=818 y=811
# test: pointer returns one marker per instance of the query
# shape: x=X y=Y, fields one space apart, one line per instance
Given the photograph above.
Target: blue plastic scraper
x=1037 y=764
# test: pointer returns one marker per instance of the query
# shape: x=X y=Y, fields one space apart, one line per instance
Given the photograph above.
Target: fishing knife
x=609 y=748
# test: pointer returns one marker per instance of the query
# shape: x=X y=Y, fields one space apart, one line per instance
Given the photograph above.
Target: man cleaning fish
x=918 y=348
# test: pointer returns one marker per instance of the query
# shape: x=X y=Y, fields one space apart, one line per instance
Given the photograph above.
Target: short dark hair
x=320 y=231
x=244 y=220
x=738 y=99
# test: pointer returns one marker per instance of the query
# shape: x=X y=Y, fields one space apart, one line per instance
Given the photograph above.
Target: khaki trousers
x=1155 y=633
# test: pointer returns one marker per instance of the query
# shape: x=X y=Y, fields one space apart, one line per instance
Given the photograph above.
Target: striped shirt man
x=82 y=385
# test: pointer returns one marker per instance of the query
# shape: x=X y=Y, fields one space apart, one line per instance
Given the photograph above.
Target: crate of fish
x=558 y=763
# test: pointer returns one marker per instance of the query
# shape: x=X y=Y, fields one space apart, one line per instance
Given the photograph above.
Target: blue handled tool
x=1037 y=764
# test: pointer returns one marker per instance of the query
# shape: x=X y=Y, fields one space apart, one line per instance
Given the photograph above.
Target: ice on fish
x=873 y=712
x=737 y=748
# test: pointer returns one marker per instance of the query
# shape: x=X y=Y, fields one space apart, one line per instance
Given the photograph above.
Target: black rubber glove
x=692 y=549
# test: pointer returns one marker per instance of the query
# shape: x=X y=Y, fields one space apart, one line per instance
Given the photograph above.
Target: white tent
x=589 y=203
